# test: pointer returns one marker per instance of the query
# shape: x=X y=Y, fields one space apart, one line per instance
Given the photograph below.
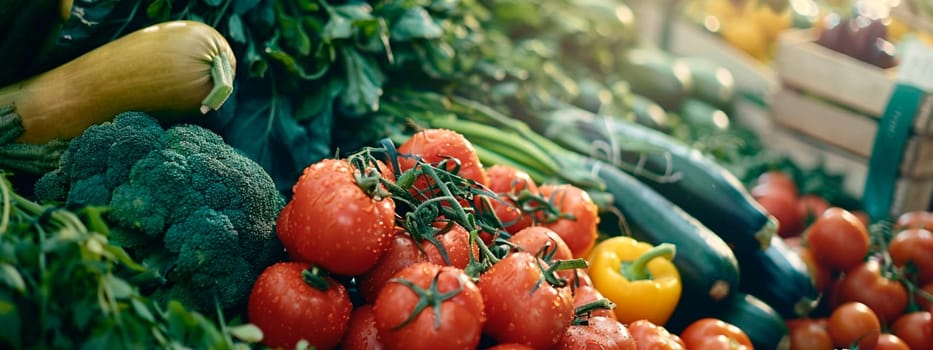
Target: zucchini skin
x=708 y=268
x=763 y=325
x=701 y=187
x=779 y=277
x=164 y=70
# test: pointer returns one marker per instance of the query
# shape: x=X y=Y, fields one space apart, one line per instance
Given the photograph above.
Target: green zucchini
x=700 y=115
x=708 y=268
x=169 y=70
x=757 y=319
x=779 y=277
x=694 y=182
x=655 y=74
x=649 y=113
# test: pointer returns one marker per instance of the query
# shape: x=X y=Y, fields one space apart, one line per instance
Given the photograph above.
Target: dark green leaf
x=255 y=61
x=117 y=286
x=356 y=11
x=235 y=29
x=291 y=64
x=338 y=28
x=416 y=23
x=159 y=10
x=11 y=278
x=10 y=319
x=364 y=83
x=213 y=3
x=142 y=310
x=241 y=6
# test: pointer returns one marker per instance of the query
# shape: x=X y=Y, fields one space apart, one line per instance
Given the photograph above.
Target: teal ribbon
x=888 y=150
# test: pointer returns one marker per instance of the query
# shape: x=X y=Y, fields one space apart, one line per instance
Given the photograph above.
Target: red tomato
x=649 y=336
x=452 y=318
x=812 y=206
x=777 y=178
x=510 y=346
x=888 y=341
x=865 y=284
x=583 y=295
x=854 y=323
x=333 y=223
x=521 y=307
x=914 y=246
x=921 y=301
x=915 y=219
x=435 y=145
x=457 y=247
x=713 y=334
x=580 y=232
x=822 y=277
x=402 y=252
x=288 y=309
x=540 y=241
x=915 y=329
x=600 y=333
x=509 y=182
x=281 y=223
x=361 y=331
x=783 y=205
x=838 y=240
x=809 y=334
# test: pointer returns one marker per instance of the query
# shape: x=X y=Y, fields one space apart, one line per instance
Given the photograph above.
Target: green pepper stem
x=638 y=269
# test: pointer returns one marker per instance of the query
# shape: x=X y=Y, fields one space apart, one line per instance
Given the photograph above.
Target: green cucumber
x=700 y=115
x=779 y=277
x=708 y=269
x=712 y=82
x=764 y=326
x=655 y=74
x=695 y=183
x=649 y=114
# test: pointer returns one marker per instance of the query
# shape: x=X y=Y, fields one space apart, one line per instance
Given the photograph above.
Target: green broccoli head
x=181 y=200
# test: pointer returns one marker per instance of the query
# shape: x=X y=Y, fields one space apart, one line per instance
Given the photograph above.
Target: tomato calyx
x=429 y=297
x=315 y=277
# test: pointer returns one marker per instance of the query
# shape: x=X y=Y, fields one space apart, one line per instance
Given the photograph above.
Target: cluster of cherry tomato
x=877 y=284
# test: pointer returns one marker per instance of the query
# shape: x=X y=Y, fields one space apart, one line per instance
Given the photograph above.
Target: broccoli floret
x=181 y=200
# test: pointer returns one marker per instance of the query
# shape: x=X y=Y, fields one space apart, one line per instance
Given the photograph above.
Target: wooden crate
x=829 y=107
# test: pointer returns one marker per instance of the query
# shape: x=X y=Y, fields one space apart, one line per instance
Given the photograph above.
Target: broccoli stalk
x=181 y=201
x=25 y=157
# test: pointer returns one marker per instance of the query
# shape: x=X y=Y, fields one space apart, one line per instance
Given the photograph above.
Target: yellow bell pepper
x=638 y=277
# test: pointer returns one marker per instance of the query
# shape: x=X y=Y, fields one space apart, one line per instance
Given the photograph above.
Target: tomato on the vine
x=777 y=178
x=888 y=341
x=649 y=336
x=428 y=306
x=598 y=333
x=289 y=303
x=435 y=145
x=540 y=240
x=361 y=330
x=837 y=239
x=809 y=334
x=521 y=306
x=812 y=206
x=508 y=182
x=403 y=251
x=510 y=346
x=334 y=223
x=914 y=246
x=921 y=299
x=456 y=246
x=821 y=275
x=866 y=284
x=713 y=334
x=854 y=323
x=915 y=219
x=783 y=205
x=585 y=294
x=579 y=232
x=915 y=329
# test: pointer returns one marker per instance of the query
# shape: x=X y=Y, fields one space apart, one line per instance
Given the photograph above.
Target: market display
x=465 y=174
